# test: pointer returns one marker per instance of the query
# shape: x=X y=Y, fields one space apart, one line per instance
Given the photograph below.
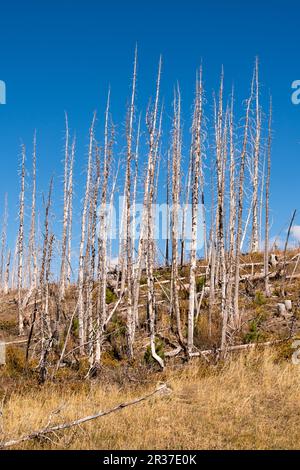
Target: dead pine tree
x=7 y=273
x=196 y=157
x=102 y=236
x=257 y=145
x=70 y=212
x=232 y=210
x=91 y=259
x=176 y=172
x=240 y=200
x=131 y=321
x=221 y=144
x=3 y=243
x=81 y=310
x=62 y=283
x=184 y=215
x=45 y=331
x=20 y=243
x=267 y=204
x=33 y=267
x=152 y=118
x=168 y=210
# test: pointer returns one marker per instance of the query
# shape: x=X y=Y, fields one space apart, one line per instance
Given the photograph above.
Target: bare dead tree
x=102 y=235
x=7 y=273
x=3 y=241
x=131 y=321
x=176 y=171
x=257 y=145
x=153 y=144
x=91 y=247
x=20 y=242
x=232 y=208
x=81 y=316
x=44 y=320
x=184 y=214
x=168 y=208
x=70 y=212
x=62 y=283
x=267 y=203
x=196 y=158
x=240 y=199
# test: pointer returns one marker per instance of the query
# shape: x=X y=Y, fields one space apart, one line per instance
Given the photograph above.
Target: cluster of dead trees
x=227 y=167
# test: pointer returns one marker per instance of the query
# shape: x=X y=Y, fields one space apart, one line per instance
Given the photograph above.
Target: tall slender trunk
x=196 y=158
x=240 y=207
x=70 y=212
x=129 y=249
x=176 y=167
x=267 y=228
x=81 y=314
x=255 y=237
x=153 y=137
x=33 y=268
x=3 y=242
x=62 y=283
x=21 y=243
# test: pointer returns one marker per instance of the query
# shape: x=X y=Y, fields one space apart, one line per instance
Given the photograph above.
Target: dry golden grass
x=252 y=402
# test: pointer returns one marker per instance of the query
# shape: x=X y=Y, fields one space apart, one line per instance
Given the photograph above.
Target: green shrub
x=110 y=296
x=254 y=335
x=75 y=327
x=260 y=298
x=200 y=283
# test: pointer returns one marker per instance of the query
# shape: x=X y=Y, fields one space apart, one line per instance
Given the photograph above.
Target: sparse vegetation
x=82 y=331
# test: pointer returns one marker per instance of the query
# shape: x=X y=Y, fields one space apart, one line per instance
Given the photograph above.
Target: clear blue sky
x=62 y=55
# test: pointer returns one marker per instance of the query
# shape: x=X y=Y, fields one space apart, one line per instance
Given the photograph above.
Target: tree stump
x=281 y=309
x=2 y=353
x=288 y=305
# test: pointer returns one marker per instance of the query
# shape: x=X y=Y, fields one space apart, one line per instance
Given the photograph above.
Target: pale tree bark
x=267 y=202
x=141 y=249
x=240 y=198
x=62 y=283
x=129 y=248
x=81 y=314
x=168 y=209
x=102 y=235
x=33 y=267
x=3 y=242
x=21 y=243
x=196 y=158
x=255 y=232
x=176 y=173
x=232 y=209
x=135 y=185
x=7 y=273
x=153 y=144
x=92 y=258
x=70 y=212
x=44 y=320
x=184 y=214
x=221 y=144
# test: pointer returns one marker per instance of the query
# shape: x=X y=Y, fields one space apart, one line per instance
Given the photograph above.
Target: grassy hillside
x=251 y=402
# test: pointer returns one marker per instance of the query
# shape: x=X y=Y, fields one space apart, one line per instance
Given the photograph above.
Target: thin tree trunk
x=267 y=228
x=196 y=155
x=21 y=243
x=240 y=208
x=62 y=283
x=81 y=315
x=255 y=237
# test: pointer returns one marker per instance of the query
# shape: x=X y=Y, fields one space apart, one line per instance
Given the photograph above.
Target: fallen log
x=42 y=433
x=240 y=347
